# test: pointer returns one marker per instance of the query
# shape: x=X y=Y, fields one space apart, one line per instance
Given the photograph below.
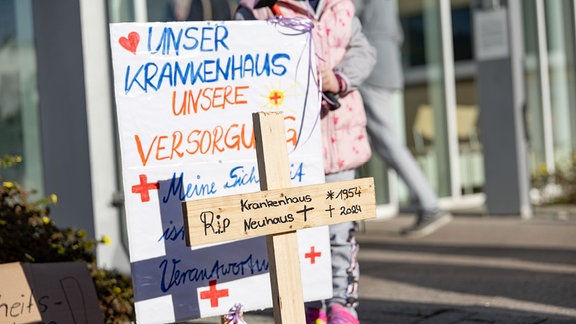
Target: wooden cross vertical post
x=274 y=172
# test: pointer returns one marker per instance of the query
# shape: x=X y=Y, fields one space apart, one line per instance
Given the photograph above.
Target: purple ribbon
x=299 y=24
x=234 y=315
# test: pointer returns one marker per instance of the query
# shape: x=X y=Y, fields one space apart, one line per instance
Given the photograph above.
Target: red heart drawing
x=130 y=43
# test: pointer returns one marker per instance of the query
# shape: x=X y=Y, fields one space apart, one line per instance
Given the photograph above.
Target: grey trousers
x=344 y=251
x=385 y=141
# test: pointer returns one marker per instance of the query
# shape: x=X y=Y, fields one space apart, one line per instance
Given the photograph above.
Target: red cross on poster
x=213 y=294
x=144 y=187
x=312 y=255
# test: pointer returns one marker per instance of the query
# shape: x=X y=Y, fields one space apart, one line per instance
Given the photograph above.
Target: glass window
x=120 y=11
x=534 y=108
x=550 y=72
x=560 y=35
x=415 y=51
x=462 y=33
x=424 y=98
x=471 y=158
x=19 y=124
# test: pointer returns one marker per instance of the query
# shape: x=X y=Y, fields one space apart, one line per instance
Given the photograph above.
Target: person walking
x=381 y=25
x=345 y=60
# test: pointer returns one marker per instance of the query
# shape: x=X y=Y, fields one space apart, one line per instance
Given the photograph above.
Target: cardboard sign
x=60 y=292
x=276 y=211
x=17 y=304
x=185 y=92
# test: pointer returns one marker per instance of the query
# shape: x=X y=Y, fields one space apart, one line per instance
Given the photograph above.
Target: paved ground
x=477 y=269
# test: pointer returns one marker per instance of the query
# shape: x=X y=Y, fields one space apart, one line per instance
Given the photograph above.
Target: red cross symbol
x=312 y=255
x=275 y=97
x=213 y=294
x=143 y=188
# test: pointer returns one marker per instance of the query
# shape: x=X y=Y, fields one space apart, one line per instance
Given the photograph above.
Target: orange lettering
x=176 y=142
x=218 y=132
x=292 y=133
x=227 y=95
x=194 y=99
x=143 y=158
x=207 y=97
x=235 y=144
x=180 y=144
x=252 y=140
x=205 y=148
x=238 y=94
x=160 y=148
x=183 y=109
x=218 y=94
x=191 y=141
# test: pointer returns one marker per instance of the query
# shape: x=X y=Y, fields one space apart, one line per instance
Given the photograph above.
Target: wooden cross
x=277 y=212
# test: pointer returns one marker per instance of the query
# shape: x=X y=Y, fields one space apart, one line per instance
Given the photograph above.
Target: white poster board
x=185 y=93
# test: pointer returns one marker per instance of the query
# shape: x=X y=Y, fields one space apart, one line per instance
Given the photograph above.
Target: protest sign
x=59 y=292
x=185 y=92
x=17 y=304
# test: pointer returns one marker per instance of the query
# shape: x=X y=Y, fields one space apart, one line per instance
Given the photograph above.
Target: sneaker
x=315 y=316
x=340 y=315
x=426 y=223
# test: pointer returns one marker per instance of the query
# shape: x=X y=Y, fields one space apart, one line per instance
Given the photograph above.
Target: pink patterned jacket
x=344 y=136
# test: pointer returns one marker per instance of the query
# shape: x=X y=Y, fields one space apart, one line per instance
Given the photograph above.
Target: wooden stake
x=274 y=172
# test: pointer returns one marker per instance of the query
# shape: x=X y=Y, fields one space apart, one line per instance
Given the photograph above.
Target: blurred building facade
x=57 y=103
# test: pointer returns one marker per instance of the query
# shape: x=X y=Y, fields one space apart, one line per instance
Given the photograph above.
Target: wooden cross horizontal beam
x=268 y=212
